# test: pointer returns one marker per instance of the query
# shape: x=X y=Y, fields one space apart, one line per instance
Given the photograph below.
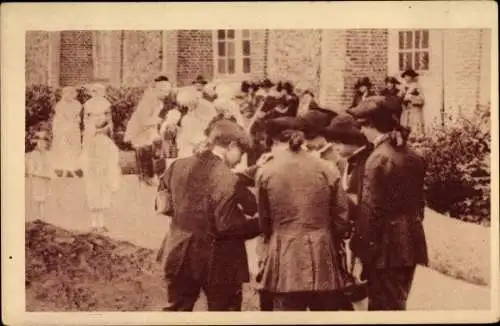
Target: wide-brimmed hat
x=364 y=81
x=229 y=131
x=200 y=80
x=316 y=119
x=274 y=127
x=376 y=109
x=391 y=79
x=344 y=129
x=409 y=72
x=266 y=83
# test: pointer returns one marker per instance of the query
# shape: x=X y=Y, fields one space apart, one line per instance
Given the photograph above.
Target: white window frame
x=238 y=51
x=413 y=50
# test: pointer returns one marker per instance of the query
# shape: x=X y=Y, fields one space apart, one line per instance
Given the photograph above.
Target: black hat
x=245 y=86
x=317 y=118
x=288 y=87
x=266 y=83
x=391 y=79
x=409 y=72
x=343 y=129
x=376 y=109
x=200 y=80
x=365 y=81
x=274 y=127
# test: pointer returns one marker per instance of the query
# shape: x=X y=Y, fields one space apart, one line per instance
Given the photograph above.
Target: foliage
x=458 y=166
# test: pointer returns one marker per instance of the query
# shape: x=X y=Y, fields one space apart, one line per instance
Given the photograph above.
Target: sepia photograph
x=254 y=168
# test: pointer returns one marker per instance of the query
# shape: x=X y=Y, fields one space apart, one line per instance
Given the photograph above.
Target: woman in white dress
x=100 y=157
x=66 y=146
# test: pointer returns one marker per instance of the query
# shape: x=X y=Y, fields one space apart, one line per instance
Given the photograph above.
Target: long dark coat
x=389 y=231
x=303 y=214
x=208 y=229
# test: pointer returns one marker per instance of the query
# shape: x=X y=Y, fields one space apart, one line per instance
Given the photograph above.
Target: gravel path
x=132 y=219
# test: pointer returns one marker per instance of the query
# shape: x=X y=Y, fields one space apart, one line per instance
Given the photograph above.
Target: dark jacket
x=303 y=214
x=389 y=231
x=208 y=229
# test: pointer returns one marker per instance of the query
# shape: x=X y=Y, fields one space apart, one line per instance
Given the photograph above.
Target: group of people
x=335 y=199
x=66 y=151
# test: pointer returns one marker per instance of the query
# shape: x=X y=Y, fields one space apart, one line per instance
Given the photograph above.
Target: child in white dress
x=40 y=173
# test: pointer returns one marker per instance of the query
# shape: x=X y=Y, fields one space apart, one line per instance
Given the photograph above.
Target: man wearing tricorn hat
x=389 y=238
x=413 y=103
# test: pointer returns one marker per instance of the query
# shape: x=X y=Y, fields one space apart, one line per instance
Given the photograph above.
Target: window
x=232 y=52
x=413 y=50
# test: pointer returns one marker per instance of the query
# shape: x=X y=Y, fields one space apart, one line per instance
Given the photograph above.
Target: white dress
x=100 y=156
x=66 y=145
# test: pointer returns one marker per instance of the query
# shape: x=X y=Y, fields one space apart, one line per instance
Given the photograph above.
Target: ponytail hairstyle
x=295 y=139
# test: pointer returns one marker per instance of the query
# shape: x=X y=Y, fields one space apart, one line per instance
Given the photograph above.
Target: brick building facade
x=454 y=64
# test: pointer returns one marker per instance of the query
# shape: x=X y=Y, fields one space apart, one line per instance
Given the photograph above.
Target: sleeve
x=264 y=209
x=246 y=200
x=230 y=222
x=164 y=201
x=377 y=183
x=340 y=210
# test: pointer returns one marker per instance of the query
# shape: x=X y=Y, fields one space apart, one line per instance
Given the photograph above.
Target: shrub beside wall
x=458 y=167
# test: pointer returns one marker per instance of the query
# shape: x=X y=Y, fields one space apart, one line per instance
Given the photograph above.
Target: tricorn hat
x=200 y=80
x=376 y=109
x=343 y=129
x=393 y=80
x=266 y=83
x=274 y=127
x=365 y=81
x=409 y=72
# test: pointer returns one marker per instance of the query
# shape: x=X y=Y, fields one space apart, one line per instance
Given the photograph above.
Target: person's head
x=266 y=84
x=286 y=131
x=229 y=140
x=187 y=99
x=391 y=82
x=199 y=83
x=363 y=85
x=69 y=93
x=409 y=75
x=375 y=117
x=224 y=107
x=209 y=92
x=345 y=134
x=308 y=95
x=314 y=121
x=97 y=90
x=162 y=87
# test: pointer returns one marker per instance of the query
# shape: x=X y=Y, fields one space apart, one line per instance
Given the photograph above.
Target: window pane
x=417 y=39
x=409 y=39
x=221 y=34
x=417 y=60
x=246 y=33
x=230 y=33
x=408 y=60
x=230 y=49
x=246 y=65
x=246 y=47
x=401 y=61
x=231 y=66
x=222 y=49
x=401 y=40
x=222 y=66
x=425 y=39
x=425 y=61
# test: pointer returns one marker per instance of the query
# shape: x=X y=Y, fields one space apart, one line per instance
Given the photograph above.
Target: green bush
x=458 y=167
x=41 y=99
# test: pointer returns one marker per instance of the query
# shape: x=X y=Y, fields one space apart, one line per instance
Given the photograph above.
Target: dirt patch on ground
x=69 y=271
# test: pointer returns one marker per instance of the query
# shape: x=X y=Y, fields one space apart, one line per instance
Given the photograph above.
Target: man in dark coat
x=389 y=236
x=205 y=247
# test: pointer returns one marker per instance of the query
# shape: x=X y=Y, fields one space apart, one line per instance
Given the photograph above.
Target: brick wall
x=295 y=55
x=170 y=54
x=366 y=55
x=195 y=55
x=37 y=57
x=76 y=65
x=463 y=53
x=258 y=53
x=142 y=57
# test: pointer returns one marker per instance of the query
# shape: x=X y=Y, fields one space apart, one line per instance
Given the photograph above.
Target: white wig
x=188 y=97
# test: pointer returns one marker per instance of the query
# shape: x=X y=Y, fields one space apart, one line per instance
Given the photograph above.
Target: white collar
x=380 y=139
